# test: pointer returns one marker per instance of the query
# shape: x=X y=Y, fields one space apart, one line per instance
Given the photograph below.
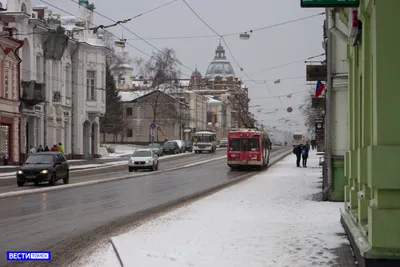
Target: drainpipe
x=45 y=102
x=328 y=123
x=331 y=20
x=21 y=44
x=72 y=102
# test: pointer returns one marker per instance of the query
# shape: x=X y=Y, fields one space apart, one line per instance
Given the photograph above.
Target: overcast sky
x=265 y=49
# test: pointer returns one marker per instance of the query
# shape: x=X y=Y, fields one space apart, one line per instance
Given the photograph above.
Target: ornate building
x=221 y=84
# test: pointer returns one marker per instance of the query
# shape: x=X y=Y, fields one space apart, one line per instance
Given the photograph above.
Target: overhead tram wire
x=229 y=50
x=123 y=26
x=229 y=34
x=69 y=13
x=287 y=64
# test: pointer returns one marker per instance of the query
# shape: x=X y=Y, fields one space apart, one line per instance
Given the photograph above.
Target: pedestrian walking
x=32 y=149
x=60 y=148
x=46 y=149
x=54 y=148
x=297 y=152
x=304 y=155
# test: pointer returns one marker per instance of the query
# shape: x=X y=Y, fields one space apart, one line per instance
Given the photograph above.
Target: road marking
x=124 y=177
x=120 y=178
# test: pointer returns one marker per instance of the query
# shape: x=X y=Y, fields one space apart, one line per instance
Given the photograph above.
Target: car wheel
x=53 y=179
x=130 y=169
x=20 y=184
x=66 y=178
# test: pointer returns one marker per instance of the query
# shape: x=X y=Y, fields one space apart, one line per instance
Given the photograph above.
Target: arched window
x=121 y=79
x=23 y=8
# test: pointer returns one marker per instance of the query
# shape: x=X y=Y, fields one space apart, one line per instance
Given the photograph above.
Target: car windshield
x=39 y=159
x=154 y=145
x=141 y=153
x=244 y=144
x=169 y=144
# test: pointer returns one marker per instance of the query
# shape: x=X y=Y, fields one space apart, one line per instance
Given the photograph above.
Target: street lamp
x=244 y=36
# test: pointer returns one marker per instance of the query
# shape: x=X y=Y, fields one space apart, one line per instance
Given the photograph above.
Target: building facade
x=9 y=95
x=62 y=79
x=371 y=215
x=337 y=31
x=170 y=116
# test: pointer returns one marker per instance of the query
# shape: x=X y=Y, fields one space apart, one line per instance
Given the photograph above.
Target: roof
x=132 y=96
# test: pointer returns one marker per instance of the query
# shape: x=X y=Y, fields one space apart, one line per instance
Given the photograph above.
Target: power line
x=287 y=64
x=229 y=34
x=104 y=16
x=69 y=13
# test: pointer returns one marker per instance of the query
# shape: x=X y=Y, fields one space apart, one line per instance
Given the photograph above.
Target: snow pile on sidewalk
x=271 y=219
x=120 y=150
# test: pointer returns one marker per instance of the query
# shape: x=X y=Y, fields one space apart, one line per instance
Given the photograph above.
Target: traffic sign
x=289 y=109
x=153 y=125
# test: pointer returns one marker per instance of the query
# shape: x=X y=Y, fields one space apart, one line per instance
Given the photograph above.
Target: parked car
x=44 y=167
x=143 y=159
x=171 y=147
x=223 y=142
x=189 y=146
x=181 y=145
x=157 y=148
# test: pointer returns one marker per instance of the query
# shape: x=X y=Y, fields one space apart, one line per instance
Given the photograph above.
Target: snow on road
x=269 y=220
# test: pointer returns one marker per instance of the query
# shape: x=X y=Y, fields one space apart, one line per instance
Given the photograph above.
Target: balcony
x=32 y=93
x=57 y=98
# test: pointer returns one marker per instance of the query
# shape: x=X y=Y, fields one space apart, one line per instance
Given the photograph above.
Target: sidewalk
x=273 y=219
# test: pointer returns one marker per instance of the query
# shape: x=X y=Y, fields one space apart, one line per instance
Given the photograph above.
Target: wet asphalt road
x=115 y=171
x=50 y=220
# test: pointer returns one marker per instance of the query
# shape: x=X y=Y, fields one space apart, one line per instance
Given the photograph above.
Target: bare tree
x=162 y=72
x=310 y=113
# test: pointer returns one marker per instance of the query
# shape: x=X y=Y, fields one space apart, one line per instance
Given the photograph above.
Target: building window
x=6 y=84
x=129 y=133
x=90 y=85
x=103 y=91
x=129 y=112
x=68 y=81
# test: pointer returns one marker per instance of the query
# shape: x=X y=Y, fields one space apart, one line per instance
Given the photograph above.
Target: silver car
x=143 y=159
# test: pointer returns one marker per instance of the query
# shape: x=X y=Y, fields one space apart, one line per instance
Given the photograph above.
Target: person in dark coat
x=46 y=149
x=40 y=149
x=297 y=152
x=304 y=154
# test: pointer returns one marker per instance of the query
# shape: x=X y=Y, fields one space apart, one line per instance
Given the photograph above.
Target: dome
x=220 y=66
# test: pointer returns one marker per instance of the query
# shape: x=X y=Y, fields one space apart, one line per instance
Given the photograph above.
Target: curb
x=100 y=169
x=130 y=176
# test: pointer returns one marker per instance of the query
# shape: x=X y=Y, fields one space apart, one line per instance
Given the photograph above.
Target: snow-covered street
x=273 y=219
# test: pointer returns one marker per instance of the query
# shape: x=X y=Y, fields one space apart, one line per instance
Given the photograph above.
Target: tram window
x=234 y=144
x=254 y=144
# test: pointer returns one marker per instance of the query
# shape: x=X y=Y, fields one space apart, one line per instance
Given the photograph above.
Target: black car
x=188 y=146
x=44 y=167
x=171 y=147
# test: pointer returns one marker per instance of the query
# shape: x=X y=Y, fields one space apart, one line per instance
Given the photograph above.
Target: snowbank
x=269 y=220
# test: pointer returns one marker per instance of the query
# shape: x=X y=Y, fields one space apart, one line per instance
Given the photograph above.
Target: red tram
x=248 y=148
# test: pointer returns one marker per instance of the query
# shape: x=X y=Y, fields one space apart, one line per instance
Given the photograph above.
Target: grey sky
x=265 y=49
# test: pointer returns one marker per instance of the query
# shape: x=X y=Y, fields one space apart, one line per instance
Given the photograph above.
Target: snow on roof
x=40 y=7
x=211 y=99
x=127 y=96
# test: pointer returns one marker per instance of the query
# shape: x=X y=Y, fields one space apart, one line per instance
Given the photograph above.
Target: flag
x=319 y=89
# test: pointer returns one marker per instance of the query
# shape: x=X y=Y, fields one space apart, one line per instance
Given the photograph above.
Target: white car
x=181 y=145
x=143 y=159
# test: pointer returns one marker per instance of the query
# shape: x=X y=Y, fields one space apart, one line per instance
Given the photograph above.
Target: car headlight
x=44 y=172
x=19 y=172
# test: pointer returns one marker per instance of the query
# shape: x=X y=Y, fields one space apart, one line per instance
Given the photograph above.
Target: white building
x=64 y=80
